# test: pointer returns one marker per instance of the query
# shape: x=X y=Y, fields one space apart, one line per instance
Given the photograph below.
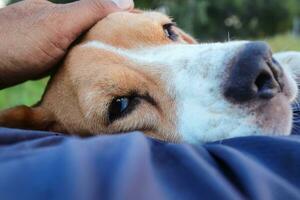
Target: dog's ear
x=186 y=37
x=23 y=117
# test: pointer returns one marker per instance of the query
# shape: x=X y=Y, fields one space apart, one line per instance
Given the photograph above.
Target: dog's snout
x=253 y=74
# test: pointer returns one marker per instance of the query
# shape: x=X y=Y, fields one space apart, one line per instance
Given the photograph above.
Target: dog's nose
x=253 y=74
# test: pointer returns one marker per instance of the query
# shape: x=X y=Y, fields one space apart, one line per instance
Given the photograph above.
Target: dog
x=137 y=71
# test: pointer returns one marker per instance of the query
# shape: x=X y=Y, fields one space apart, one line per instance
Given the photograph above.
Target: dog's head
x=138 y=71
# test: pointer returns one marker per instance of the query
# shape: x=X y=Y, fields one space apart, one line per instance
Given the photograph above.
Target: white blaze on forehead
x=194 y=75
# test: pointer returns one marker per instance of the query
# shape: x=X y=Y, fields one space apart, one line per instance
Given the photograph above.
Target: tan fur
x=78 y=95
x=27 y=118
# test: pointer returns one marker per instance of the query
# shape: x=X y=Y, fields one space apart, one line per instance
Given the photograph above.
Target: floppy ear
x=186 y=37
x=23 y=117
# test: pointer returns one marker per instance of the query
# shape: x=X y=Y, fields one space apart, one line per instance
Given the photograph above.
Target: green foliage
x=27 y=93
x=221 y=19
x=284 y=42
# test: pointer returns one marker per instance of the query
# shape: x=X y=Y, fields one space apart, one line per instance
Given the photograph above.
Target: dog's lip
x=290 y=90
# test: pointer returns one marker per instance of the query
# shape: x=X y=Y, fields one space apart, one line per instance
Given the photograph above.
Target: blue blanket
x=42 y=165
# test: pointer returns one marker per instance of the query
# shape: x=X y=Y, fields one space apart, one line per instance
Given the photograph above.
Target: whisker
x=228 y=36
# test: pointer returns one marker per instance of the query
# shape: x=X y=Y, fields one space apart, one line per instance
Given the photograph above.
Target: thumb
x=81 y=15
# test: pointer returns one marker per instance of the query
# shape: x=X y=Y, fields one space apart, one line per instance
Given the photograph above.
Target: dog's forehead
x=156 y=16
x=130 y=30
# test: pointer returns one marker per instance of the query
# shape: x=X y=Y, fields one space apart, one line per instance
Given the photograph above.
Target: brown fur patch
x=26 y=118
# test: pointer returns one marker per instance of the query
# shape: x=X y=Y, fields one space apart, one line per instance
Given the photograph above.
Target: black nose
x=253 y=74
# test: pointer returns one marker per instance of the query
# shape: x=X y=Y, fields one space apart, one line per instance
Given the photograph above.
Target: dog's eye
x=121 y=106
x=170 y=33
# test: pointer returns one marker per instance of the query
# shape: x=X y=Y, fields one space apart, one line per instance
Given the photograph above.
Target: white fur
x=194 y=75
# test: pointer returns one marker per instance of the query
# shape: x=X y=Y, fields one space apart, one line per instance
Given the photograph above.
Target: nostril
x=262 y=80
x=265 y=85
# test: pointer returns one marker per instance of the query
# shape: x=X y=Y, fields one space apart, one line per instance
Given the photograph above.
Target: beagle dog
x=137 y=71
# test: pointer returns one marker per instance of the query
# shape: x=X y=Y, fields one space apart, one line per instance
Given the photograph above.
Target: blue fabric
x=41 y=165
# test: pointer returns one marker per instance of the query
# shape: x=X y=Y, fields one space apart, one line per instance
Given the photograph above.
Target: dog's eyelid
x=168 y=25
x=142 y=95
x=149 y=99
x=173 y=23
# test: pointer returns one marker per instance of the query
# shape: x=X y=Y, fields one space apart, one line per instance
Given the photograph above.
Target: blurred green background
x=275 y=21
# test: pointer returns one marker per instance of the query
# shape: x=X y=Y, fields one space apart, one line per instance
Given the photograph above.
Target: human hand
x=35 y=34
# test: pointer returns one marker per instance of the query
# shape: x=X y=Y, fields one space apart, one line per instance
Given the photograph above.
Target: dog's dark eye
x=121 y=106
x=170 y=33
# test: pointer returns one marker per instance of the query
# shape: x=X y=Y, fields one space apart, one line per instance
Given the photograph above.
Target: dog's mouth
x=259 y=84
x=276 y=115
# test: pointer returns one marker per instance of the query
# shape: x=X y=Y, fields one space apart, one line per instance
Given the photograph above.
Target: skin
x=36 y=34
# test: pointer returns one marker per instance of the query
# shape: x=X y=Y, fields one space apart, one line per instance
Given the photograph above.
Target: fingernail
x=123 y=4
